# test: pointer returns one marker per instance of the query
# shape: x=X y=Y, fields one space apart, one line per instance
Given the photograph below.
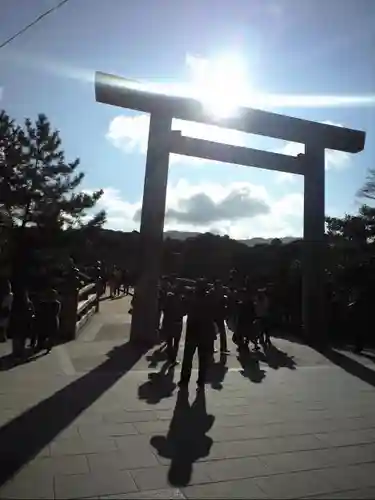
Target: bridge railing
x=87 y=304
x=78 y=306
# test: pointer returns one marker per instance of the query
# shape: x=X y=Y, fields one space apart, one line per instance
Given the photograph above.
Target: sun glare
x=221 y=84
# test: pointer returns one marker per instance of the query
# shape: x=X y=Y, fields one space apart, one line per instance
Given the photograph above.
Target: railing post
x=68 y=315
x=98 y=289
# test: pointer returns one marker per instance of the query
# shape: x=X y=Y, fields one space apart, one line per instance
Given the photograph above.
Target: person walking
x=262 y=316
x=47 y=319
x=200 y=332
x=173 y=314
x=21 y=321
x=220 y=313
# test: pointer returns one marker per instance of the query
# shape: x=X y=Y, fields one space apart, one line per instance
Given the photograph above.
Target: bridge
x=100 y=418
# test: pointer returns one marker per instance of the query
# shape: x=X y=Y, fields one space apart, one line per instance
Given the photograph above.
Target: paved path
x=91 y=420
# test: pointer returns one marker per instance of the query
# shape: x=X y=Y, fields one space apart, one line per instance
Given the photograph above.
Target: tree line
x=44 y=214
x=46 y=218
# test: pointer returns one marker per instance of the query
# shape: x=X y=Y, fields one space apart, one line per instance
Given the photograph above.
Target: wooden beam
x=238 y=155
x=117 y=91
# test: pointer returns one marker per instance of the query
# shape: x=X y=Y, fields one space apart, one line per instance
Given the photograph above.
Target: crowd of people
x=30 y=310
x=118 y=281
x=249 y=311
x=31 y=323
x=208 y=307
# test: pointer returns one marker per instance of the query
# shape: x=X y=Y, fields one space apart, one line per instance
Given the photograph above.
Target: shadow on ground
x=334 y=352
x=8 y=362
x=157 y=356
x=24 y=437
x=348 y=364
x=276 y=358
x=217 y=372
x=160 y=385
x=186 y=441
x=368 y=355
x=250 y=364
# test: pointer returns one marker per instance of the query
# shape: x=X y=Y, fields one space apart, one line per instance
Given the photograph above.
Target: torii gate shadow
x=348 y=364
x=26 y=435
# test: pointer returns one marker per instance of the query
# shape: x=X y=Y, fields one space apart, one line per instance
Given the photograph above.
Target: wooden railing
x=78 y=305
x=87 y=304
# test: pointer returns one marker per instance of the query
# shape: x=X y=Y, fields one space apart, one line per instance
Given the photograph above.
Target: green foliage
x=351 y=242
x=359 y=229
x=38 y=186
x=351 y=228
x=368 y=189
x=39 y=189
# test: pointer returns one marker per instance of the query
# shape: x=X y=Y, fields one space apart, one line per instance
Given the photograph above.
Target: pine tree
x=10 y=157
x=368 y=188
x=39 y=189
x=38 y=186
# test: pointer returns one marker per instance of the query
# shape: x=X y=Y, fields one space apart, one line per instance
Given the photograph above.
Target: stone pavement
x=92 y=420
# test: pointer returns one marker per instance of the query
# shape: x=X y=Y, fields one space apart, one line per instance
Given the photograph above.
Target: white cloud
x=271 y=217
x=200 y=209
x=130 y=134
x=334 y=160
x=120 y=212
x=242 y=210
x=285 y=178
x=1 y=93
x=211 y=204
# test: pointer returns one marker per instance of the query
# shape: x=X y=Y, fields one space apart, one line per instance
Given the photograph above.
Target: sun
x=220 y=84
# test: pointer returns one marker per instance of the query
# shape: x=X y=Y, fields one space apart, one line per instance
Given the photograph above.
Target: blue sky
x=291 y=47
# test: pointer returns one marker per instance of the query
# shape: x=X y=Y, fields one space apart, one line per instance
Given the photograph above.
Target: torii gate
x=162 y=141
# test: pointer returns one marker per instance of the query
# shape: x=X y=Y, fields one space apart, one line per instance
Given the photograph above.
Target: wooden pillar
x=144 y=317
x=313 y=262
x=68 y=313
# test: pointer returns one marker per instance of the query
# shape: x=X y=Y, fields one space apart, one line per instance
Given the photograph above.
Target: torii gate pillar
x=316 y=137
x=313 y=257
x=145 y=308
x=152 y=226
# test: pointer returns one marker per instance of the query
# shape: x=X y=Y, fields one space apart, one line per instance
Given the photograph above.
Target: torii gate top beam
x=117 y=91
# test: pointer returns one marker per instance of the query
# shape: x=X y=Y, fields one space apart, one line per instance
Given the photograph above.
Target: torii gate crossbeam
x=162 y=141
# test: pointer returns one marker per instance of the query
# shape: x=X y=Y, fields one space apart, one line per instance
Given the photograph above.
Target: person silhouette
x=200 y=334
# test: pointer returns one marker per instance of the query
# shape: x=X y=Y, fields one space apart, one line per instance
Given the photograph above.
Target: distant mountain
x=265 y=241
x=183 y=235
x=180 y=235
